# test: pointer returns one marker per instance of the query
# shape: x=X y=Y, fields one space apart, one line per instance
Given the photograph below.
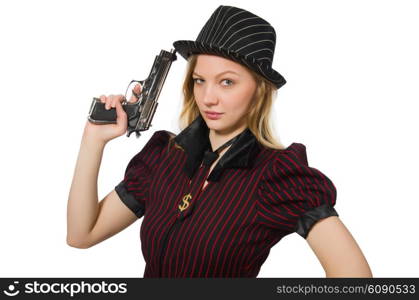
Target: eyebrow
x=228 y=71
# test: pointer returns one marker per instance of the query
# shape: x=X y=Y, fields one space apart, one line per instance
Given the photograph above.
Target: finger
x=109 y=102
x=117 y=98
x=102 y=98
x=136 y=91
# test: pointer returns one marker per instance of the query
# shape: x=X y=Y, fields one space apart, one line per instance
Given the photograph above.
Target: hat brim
x=187 y=48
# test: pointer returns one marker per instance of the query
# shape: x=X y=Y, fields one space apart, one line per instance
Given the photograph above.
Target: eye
x=228 y=80
x=195 y=80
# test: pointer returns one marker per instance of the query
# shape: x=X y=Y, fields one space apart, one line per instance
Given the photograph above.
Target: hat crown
x=240 y=32
x=239 y=35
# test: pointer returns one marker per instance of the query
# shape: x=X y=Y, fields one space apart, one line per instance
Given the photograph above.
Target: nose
x=209 y=96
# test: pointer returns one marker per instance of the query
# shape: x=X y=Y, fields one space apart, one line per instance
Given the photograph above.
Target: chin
x=215 y=124
x=218 y=126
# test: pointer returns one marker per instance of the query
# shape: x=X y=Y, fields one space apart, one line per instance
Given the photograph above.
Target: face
x=224 y=87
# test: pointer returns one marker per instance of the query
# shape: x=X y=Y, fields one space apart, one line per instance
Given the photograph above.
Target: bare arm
x=90 y=222
x=337 y=250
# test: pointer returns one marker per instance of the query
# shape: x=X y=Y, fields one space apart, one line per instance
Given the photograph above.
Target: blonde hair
x=258 y=118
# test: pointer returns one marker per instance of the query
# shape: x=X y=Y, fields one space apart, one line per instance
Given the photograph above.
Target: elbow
x=77 y=243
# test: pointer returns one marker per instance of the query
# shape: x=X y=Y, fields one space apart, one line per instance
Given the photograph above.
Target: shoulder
x=161 y=137
x=290 y=168
x=162 y=140
x=158 y=140
x=292 y=194
x=295 y=154
x=292 y=156
x=152 y=149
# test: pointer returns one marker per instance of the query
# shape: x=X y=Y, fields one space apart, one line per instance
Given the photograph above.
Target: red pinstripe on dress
x=255 y=197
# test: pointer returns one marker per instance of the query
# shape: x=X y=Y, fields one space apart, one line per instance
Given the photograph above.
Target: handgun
x=139 y=113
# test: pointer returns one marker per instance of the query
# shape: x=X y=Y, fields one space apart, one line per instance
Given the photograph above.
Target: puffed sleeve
x=292 y=195
x=133 y=190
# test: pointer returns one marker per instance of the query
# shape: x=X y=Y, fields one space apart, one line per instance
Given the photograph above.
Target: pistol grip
x=100 y=115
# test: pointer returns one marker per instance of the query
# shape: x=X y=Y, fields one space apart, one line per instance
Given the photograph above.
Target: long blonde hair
x=258 y=118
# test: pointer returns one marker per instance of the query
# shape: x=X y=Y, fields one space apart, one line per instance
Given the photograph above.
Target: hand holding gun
x=140 y=112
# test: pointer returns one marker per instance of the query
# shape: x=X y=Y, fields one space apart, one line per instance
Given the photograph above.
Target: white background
x=351 y=97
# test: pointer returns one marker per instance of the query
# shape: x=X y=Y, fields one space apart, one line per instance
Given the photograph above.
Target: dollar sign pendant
x=185 y=201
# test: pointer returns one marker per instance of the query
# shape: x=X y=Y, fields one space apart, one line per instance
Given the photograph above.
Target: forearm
x=82 y=206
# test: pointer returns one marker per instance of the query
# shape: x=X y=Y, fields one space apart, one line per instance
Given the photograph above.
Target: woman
x=215 y=213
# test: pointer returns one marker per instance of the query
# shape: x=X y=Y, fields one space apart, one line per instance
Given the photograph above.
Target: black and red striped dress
x=255 y=197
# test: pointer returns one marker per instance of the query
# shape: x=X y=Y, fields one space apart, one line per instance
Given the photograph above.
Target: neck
x=218 y=138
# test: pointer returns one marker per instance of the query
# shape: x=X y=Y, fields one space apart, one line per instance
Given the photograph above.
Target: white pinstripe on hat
x=239 y=35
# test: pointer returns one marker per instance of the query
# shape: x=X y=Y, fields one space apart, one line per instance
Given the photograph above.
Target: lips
x=212 y=112
x=213 y=116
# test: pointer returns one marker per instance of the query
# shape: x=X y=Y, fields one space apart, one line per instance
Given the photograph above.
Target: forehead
x=208 y=63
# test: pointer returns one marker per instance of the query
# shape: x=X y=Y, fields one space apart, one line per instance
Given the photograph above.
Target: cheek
x=198 y=94
x=241 y=101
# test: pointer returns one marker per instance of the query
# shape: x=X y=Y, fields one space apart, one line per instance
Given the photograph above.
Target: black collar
x=195 y=141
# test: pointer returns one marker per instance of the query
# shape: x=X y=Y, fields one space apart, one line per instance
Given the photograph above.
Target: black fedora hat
x=239 y=35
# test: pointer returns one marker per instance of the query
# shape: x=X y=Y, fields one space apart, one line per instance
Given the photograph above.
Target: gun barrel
x=156 y=80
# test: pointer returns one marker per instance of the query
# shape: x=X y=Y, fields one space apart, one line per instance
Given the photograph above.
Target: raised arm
x=90 y=222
